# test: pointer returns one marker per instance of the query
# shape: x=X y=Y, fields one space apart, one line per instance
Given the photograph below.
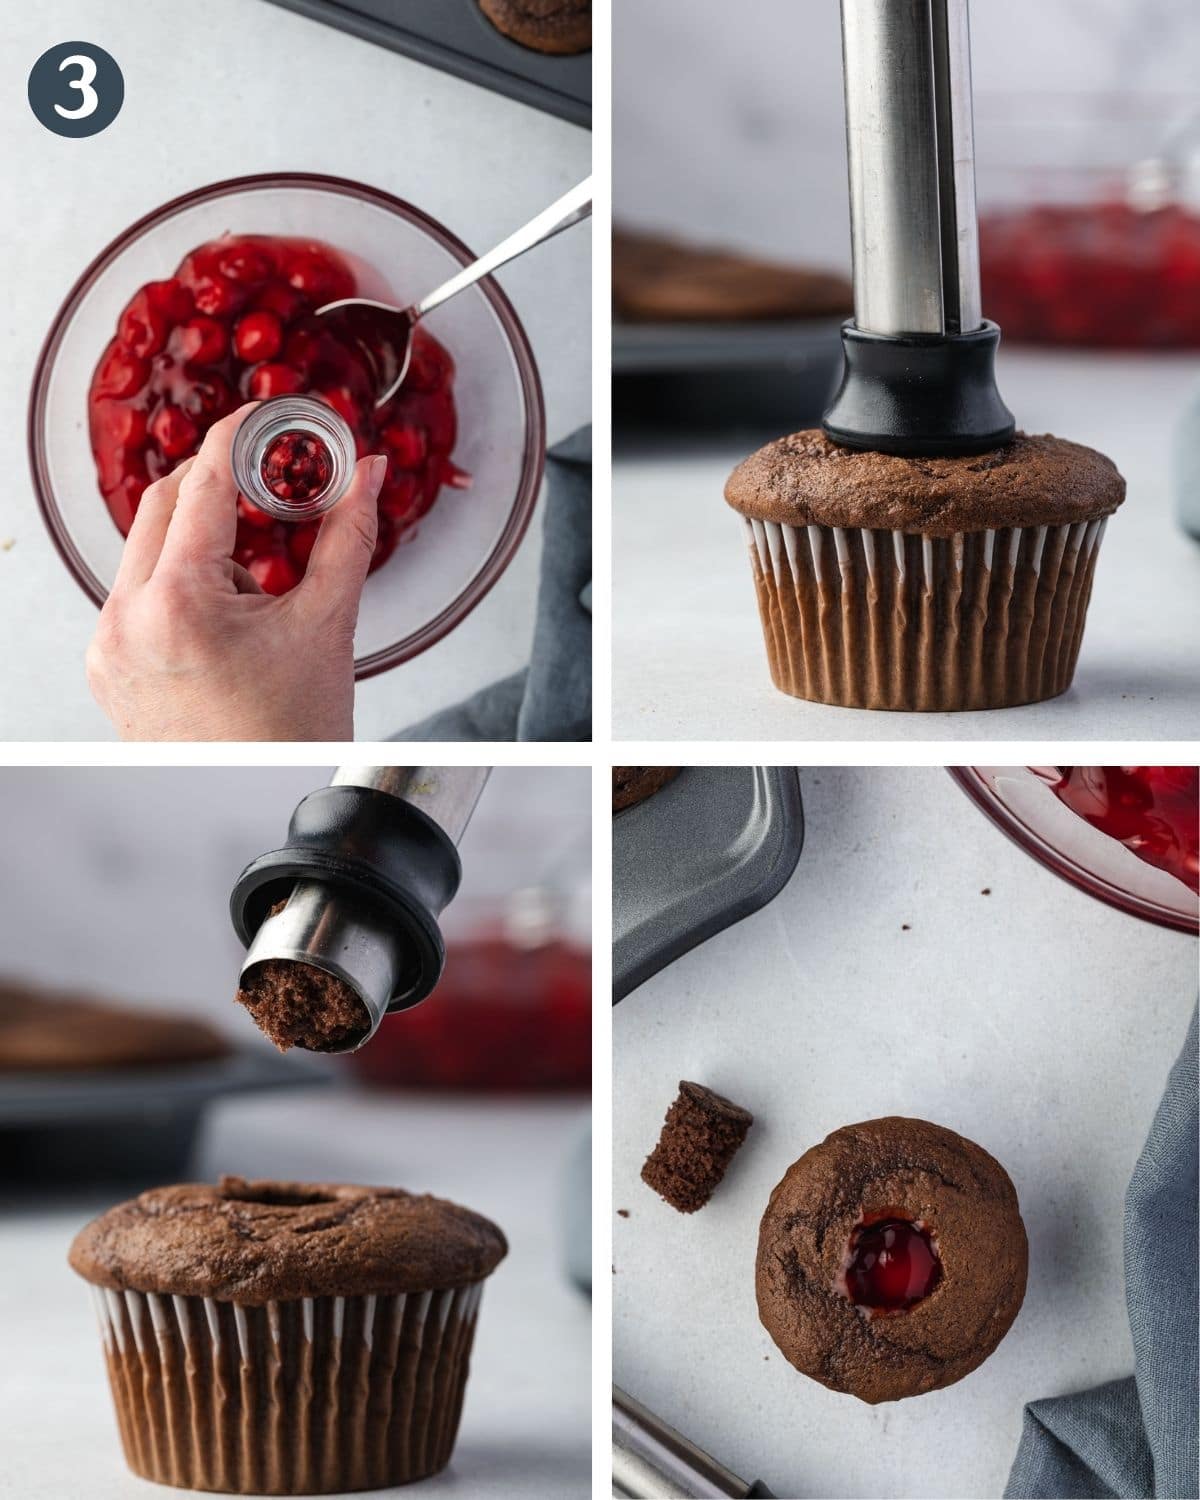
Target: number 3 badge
x=76 y=89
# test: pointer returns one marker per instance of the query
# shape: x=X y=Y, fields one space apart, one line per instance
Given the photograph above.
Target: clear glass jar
x=296 y=427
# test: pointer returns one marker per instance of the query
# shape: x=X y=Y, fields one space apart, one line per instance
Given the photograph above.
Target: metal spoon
x=386 y=341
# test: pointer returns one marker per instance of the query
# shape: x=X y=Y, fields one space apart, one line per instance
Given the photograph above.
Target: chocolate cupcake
x=633 y=784
x=891 y=1259
x=287 y=1338
x=660 y=280
x=923 y=583
x=45 y=1032
x=559 y=27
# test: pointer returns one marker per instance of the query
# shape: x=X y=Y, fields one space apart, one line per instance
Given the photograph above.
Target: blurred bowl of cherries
x=512 y=1012
x=210 y=301
x=1128 y=835
x=1089 y=219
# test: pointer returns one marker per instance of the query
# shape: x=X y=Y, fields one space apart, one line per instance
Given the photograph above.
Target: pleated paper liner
x=301 y=1397
x=882 y=619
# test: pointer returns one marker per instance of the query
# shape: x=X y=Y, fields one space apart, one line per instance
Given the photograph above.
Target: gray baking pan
x=764 y=377
x=689 y=348
x=135 y=1123
x=714 y=845
x=456 y=37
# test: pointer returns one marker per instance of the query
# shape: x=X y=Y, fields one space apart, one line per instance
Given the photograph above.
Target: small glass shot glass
x=318 y=434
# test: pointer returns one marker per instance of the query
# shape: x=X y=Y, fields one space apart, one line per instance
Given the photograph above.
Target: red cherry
x=257 y=337
x=174 y=432
x=893 y=1265
x=219 y=297
x=246 y=262
x=201 y=341
x=280 y=299
x=274 y=574
x=406 y=444
x=120 y=373
x=273 y=380
x=206 y=398
x=296 y=467
x=143 y=327
x=171 y=298
x=342 y=400
x=317 y=277
x=252 y=516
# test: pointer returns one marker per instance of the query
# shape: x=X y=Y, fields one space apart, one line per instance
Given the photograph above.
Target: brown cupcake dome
x=925 y=583
x=922 y=1172
x=556 y=27
x=633 y=784
x=287 y=1338
x=49 y=1031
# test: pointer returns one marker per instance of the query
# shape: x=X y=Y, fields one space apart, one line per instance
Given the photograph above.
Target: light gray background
x=116 y=872
x=730 y=124
x=118 y=880
x=218 y=90
x=732 y=129
x=1034 y=1020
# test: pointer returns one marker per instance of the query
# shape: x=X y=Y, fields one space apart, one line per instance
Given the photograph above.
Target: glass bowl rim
x=1063 y=865
x=533 y=458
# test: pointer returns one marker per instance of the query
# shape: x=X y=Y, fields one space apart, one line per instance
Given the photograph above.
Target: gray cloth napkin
x=551 y=699
x=1138 y=1437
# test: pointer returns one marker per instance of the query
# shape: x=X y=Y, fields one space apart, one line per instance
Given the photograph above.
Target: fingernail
x=376 y=473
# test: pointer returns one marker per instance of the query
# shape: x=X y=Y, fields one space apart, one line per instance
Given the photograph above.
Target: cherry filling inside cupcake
x=297 y=467
x=892 y=1263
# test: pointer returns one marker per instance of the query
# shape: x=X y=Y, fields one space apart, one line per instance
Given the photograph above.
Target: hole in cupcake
x=891 y=1263
x=274 y=1197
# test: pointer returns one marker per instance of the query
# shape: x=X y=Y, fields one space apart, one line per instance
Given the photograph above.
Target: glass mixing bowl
x=457 y=552
x=1022 y=805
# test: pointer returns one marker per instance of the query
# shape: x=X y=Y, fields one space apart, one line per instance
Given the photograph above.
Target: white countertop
x=526 y=1427
x=1033 y=1020
x=211 y=92
x=688 y=655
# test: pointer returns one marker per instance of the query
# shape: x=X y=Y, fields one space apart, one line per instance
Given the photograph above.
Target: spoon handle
x=568 y=210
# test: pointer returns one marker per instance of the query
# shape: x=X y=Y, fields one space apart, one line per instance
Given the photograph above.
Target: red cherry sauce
x=1104 y=274
x=296 y=467
x=893 y=1264
x=1153 y=810
x=235 y=323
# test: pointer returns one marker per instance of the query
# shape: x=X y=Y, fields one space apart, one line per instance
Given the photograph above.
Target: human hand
x=189 y=647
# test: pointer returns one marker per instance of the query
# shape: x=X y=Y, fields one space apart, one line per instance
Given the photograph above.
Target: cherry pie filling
x=1153 y=810
x=891 y=1263
x=235 y=323
x=296 y=467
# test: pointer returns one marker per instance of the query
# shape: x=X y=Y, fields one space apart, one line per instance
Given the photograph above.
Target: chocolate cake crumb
x=700 y=1136
x=297 y=1005
x=623 y=1213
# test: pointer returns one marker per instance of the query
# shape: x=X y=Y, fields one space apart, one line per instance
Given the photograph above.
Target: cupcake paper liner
x=300 y=1397
x=883 y=619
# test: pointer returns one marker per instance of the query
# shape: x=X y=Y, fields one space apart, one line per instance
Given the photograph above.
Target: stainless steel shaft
x=447 y=794
x=334 y=929
x=910 y=147
x=652 y=1461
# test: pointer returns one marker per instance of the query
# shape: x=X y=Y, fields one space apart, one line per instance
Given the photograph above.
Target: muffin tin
x=133 y=1123
x=456 y=37
x=713 y=846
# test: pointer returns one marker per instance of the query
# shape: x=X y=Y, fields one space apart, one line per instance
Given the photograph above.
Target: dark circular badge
x=76 y=89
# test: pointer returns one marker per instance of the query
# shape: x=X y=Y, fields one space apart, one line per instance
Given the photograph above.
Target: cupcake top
x=807 y=480
x=945 y=1211
x=257 y=1242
